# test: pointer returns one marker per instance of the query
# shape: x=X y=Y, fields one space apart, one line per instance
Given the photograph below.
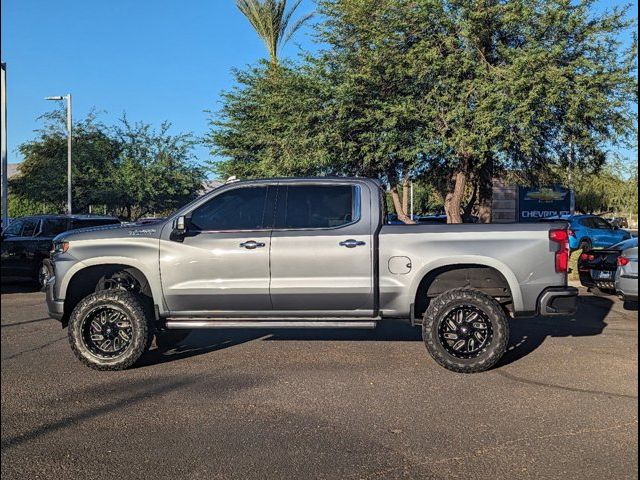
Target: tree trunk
x=405 y=195
x=485 y=191
x=453 y=200
x=397 y=205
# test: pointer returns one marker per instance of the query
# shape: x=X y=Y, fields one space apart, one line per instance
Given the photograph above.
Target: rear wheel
x=465 y=330
x=109 y=330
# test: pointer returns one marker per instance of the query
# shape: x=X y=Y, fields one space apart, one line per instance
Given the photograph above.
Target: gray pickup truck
x=303 y=253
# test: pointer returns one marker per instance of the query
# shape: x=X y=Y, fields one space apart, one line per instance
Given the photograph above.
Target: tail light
x=571 y=233
x=587 y=257
x=622 y=261
x=561 y=237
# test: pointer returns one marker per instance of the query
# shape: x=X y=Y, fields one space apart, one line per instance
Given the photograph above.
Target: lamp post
x=3 y=114
x=67 y=97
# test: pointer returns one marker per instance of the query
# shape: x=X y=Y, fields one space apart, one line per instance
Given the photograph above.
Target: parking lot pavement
x=323 y=404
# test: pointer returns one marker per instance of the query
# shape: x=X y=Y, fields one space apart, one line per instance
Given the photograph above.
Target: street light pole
x=5 y=171
x=69 y=128
x=67 y=97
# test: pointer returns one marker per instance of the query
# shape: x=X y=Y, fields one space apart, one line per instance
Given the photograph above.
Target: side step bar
x=178 y=323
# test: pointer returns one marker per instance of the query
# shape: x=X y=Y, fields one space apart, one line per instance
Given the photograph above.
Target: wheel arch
x=466 y=272
x=83 y=280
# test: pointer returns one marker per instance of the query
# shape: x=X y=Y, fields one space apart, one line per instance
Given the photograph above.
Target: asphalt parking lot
x=323 y=404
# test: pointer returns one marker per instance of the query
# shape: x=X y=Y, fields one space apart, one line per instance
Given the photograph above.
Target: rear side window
x=54 y=226
x=586 y=222
x=237 y=209
x=317 y=206
x=29 y=228
x=600 y=223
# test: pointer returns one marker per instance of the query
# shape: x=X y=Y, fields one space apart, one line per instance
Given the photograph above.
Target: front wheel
x=44 y=273
x=109 y=330
x=465 y=330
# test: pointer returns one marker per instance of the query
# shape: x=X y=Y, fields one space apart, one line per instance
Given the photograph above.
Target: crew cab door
x=321 y=250
x=220 y=265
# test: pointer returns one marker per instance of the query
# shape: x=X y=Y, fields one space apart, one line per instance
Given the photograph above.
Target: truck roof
x=325 y=179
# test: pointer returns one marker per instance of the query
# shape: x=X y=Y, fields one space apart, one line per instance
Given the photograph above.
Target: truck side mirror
x=181 y=224
x=179 y=229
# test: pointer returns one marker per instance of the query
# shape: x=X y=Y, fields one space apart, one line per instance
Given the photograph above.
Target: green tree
x=450 y=91
x=42 y=175
x=155 y=170
x=130 y=169
x=272 y=22
x=269 y=125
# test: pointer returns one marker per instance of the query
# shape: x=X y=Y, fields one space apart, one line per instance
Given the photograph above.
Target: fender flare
x=479 y=260
x=150 y=274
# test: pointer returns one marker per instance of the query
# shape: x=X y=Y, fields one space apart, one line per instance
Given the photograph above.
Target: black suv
x=26 y=243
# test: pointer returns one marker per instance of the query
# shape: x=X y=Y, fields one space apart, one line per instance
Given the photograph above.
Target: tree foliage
x=449 y=91
x=272 y=22
x=129 y=169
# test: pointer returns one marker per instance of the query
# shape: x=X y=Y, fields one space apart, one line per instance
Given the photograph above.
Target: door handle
x=351 y=243
x=251 y=244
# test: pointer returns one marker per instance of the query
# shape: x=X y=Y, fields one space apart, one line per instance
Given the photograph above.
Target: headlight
x=59 y=247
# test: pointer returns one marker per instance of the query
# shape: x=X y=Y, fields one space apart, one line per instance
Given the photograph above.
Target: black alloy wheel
x=465 y=331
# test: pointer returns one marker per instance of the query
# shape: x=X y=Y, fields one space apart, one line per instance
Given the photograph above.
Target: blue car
x=590 y=231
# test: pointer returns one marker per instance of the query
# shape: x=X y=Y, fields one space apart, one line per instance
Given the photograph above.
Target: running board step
x=178 y=323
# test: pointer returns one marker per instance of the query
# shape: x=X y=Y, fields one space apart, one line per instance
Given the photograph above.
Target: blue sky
x=155 y=60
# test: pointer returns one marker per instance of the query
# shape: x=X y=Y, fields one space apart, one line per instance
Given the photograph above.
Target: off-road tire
x=141 y=333
x=438 y=310
x=168 y=339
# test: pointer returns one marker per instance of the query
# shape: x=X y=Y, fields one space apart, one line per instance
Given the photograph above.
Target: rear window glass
x=317 y=206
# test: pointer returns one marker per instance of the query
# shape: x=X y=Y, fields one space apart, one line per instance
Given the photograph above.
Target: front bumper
x=55 y=306
x=554 y=301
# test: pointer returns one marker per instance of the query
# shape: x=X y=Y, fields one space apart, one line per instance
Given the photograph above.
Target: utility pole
x=5 y=170
x=67 y=97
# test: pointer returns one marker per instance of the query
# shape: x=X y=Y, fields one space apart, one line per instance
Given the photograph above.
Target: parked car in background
x=27 y=241
x=626 y=282
x=590 y=231
x=597 y=268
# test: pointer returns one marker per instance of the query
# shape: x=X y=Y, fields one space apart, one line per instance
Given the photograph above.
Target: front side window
x=317 y=206
x=237 y=209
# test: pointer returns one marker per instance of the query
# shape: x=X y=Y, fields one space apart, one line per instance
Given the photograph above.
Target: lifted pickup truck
x=303 y=253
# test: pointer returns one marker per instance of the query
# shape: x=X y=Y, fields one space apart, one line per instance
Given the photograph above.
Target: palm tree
x=271 y=19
